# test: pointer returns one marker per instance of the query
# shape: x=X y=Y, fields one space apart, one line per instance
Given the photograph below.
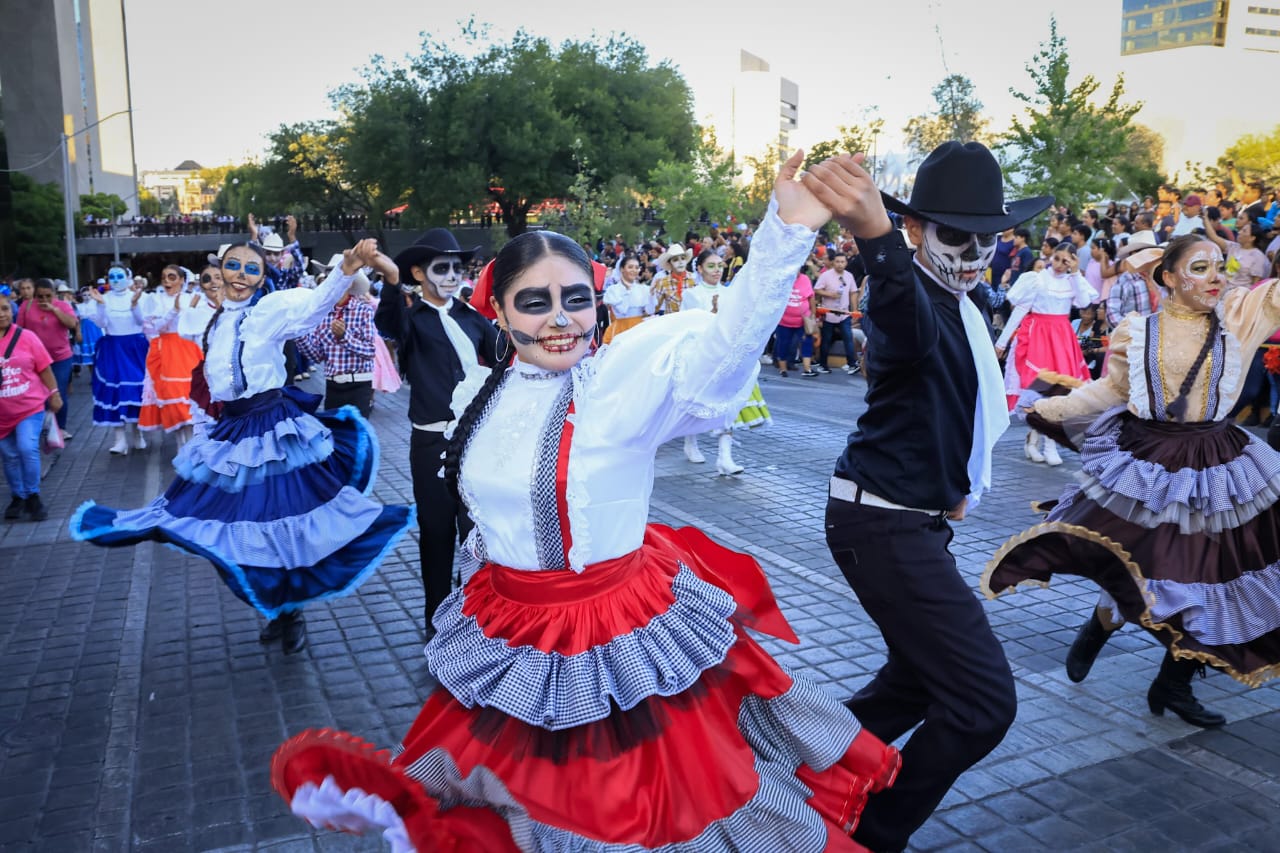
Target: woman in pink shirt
x=791 y=333
x=27 y=386
x=53 y=322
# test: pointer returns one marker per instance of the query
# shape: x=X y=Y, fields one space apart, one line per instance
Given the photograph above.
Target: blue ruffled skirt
x=90 y=334
x=119 y=372
x=275 y=497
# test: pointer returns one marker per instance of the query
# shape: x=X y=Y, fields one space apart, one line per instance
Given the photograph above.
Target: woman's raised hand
x=797 y=205
x=362 y=254
x=844 y=186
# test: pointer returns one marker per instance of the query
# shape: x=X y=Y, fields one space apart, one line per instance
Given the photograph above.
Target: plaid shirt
x=1128 y=294
x=354 y=352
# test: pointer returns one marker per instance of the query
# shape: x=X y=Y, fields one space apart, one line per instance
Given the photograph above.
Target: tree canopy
x=958 y=116
x=1066 y=146
x=507 y=124
x=39 y=227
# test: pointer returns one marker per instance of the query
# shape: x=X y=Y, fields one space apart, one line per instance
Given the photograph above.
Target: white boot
x=1051 y=456
x=1031 y=447
x=724 y=461
x=121 y=447
x=136 y=440
x=182 y=436
x=691 y=451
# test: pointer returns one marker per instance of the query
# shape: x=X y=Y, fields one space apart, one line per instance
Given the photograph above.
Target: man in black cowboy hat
x=920 y=456
x=441 y=340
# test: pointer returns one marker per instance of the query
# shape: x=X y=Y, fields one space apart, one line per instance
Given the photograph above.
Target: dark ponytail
x=513 y=259
x=213 y=321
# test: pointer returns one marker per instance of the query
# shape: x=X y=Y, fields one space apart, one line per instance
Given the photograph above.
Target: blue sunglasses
x=232 y=265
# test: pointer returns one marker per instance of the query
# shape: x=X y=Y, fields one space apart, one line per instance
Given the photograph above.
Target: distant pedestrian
x=28 y=388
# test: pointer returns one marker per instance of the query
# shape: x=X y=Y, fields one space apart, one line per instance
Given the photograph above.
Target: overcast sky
x=210 y=88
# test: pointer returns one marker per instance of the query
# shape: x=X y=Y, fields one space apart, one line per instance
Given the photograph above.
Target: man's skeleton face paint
x=958 y=258
x=444 y=276
x=679 y=263
x=1199 y=278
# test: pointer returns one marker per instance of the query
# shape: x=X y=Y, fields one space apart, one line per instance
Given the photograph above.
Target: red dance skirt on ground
x=166 y=394
x=626 y=708
x=1047 y=342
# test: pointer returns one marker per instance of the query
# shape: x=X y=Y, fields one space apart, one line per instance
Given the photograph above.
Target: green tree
x=759 y=187
x=102 y=206
x=1140 y=171
x=1254 y=156
x=593 y=210
x=148 y=204
x=466 y=126
x=850 y=139
x=690 y=195
x=958 y=116
x=1065 y=145
x=39 y=226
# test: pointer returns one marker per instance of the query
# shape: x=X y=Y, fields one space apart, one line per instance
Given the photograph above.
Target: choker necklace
x=541 y=375
x=1181 y=312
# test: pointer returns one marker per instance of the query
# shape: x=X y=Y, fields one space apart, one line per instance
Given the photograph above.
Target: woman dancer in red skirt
x=598 y=687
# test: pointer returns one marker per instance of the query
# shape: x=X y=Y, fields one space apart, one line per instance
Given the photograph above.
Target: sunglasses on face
x=956 y=237
x=232 y=265
x=445 y=267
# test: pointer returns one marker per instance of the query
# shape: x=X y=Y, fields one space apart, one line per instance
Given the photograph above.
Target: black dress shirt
x=427 y=357
x=912 y=445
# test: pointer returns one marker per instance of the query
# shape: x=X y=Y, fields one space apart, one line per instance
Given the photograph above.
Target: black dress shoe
x=14 y=509
x=295 y=633
x=1084 y=651
x=1172 y=689
x=271 y=631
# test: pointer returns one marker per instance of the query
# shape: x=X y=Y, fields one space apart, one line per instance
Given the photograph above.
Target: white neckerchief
x=991 y=409
x=475 y=372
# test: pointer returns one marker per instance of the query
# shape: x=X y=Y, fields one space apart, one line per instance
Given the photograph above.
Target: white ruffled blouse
x=246 y=345
x=675 y=375
x=116 y=314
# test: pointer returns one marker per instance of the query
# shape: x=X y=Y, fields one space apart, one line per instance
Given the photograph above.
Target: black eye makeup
x=537 y=300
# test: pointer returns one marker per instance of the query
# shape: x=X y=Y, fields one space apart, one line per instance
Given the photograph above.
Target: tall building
x=764 y=111
x=64 y=68
x=1174 y=51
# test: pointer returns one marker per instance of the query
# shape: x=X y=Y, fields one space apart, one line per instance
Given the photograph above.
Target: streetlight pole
x=68 y=198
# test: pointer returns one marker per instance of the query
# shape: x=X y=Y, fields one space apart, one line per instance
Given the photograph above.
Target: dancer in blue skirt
x=275 y=497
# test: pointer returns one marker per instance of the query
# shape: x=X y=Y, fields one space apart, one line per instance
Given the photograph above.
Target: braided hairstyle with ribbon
x=213 y=321
x=1174 y=251
x=515 y=257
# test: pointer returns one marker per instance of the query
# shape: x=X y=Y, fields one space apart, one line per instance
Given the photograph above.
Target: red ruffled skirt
x=625 y=707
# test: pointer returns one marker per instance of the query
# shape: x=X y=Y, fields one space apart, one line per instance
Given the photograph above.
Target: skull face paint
x=679 y=263
x=958 y=258
x=549 y=314
x=118 y=279
x=1199 y=278
x=440 y=277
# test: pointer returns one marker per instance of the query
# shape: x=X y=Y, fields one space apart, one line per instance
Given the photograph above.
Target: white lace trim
x=1139 y=393
x=330 y=807
x=1229 y=385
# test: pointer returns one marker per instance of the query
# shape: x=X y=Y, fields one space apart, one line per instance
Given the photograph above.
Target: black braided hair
x=213 y=321
x=1174 y=250
x=1178 y=408
x=513 y=259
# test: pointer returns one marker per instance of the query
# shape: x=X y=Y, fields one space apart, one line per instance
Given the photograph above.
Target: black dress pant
x=358 y=394
x=442 y=520
x=946 y=672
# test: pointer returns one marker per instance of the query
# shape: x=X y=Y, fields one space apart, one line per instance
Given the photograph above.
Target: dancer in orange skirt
x=166 y=393
x=598 y=687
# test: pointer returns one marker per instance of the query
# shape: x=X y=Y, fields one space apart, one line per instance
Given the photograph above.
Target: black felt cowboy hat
x=961 y=186
x=433 y=242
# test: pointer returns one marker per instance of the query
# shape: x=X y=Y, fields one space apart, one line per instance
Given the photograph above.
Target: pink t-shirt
x=22 y=393
x=47 y=326
x=797 y=303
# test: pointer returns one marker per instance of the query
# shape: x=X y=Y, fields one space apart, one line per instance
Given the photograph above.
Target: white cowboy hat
x=272 y=243
x=215 y=258
x=336 y=260
x=676 y=250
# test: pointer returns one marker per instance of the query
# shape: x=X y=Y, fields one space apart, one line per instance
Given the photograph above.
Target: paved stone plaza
x=139 y=712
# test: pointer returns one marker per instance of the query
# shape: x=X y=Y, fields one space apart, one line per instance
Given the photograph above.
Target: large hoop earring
x=504 y=338
x=595 y=339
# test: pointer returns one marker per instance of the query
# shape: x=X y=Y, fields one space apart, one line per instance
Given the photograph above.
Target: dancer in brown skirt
x=1175 y=516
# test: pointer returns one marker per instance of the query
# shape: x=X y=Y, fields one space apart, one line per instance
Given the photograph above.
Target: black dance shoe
x=1172 y=689
x=295 y=632
x=1084 y=651
x=14 y=509
x=271 y=631
x=35 y=509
